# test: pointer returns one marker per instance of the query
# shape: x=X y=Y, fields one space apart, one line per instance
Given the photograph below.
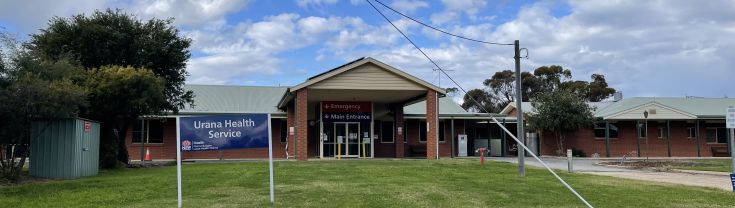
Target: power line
x=422 y=51
x=440 y=30
x=483 y=107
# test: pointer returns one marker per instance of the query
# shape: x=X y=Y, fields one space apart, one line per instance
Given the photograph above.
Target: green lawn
x=706 y=165
x=355 y=183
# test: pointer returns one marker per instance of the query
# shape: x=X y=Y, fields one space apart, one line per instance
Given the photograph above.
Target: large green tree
x=560 y=111
x=113 y=37
x=31 y=89
x=479 y=100
x=500 y=88
x=122 y=93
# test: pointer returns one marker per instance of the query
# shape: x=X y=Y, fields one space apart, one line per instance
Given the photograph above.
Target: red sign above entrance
x=344 y=111
x=346 y=106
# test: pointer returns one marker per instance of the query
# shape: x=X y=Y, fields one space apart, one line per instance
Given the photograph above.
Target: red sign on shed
x=87 y=126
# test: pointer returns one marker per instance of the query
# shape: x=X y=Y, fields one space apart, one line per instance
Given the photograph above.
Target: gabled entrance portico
x=363 y=83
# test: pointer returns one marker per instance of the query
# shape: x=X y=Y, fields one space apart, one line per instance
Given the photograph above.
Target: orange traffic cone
x=147 y=155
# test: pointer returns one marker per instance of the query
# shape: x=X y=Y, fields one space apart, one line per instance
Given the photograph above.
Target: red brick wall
x=706 y=148
x=431 y=120
x=302 y=124
x=291 y=122
x=625 y=144
x=167 y=150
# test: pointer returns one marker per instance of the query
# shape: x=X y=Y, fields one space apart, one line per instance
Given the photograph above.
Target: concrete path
x=589 y=166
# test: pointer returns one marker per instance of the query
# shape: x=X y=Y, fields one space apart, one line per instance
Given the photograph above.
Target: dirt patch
x=657 y=165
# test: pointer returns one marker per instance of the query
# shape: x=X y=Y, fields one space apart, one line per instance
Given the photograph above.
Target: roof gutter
x=285 y=99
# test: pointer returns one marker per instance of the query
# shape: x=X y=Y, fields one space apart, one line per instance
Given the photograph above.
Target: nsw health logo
x=186 y=145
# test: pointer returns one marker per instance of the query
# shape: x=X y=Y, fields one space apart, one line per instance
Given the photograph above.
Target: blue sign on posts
x=732 y=179
x=224 y=132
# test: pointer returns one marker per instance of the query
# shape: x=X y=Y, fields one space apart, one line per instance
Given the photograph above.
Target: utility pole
x=519 y=111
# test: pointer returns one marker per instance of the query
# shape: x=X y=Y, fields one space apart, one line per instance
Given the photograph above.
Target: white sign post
x=178 y=160
x=270 y=158
x=730 y=124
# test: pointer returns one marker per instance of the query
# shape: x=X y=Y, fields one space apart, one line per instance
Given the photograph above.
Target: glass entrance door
x=348 y=139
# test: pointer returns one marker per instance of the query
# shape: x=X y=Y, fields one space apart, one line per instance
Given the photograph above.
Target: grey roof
x=700 y=107
x=234 y=99
x=261 y=99
x=527 y=107
x=446 y=106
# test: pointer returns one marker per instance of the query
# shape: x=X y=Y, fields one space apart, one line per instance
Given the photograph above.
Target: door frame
x=359 y=126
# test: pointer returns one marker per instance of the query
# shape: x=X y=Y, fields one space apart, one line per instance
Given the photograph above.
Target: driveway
x=589 y=166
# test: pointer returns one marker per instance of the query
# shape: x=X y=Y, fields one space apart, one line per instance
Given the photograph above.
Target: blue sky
x=644 y=48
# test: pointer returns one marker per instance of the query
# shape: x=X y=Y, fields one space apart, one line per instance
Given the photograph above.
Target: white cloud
x=231 y=68
x=252 y=49
x=644 y=48
x=187 y=12
x=455 y=8
x=664 y=48
x=31 y=15
x=314 y=3
x=408 y=5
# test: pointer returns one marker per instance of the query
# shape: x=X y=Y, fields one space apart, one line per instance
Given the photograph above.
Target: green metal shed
x=66 y=148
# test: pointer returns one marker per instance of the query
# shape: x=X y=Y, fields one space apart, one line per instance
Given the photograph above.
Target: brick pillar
x=431 y=121
x=301 y=125
x=399 y=137
x=290 y=122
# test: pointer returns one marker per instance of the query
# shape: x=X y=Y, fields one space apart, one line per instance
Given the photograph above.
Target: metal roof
x=216 y=99
x=446 y=106
x=700 y=107
x=234 y=99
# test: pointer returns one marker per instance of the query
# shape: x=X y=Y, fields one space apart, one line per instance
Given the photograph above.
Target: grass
x=355 y=183
x=705 y=165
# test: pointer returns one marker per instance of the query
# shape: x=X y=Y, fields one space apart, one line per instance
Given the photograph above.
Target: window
x=404 y=131
x=422 y=135
x=642 y=130
x=663 y=132
x=716 y=135
x=441 y=132
x=151 y=130
x=600 y=130
x=283 y=130
x=691 y=130
x=386 y=132
x=422 y=131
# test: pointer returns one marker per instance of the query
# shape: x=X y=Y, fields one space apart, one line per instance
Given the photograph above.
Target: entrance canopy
x=364 y=79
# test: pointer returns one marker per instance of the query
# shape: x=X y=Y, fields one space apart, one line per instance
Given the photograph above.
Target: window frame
x=691 y=132
x=663 y=132
x=423 y=128
x=147 y=132
x=283 y=130
x=642 y=131
x=612 y=127
x=393 y=130
x=442 y=131
x=717 y=137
